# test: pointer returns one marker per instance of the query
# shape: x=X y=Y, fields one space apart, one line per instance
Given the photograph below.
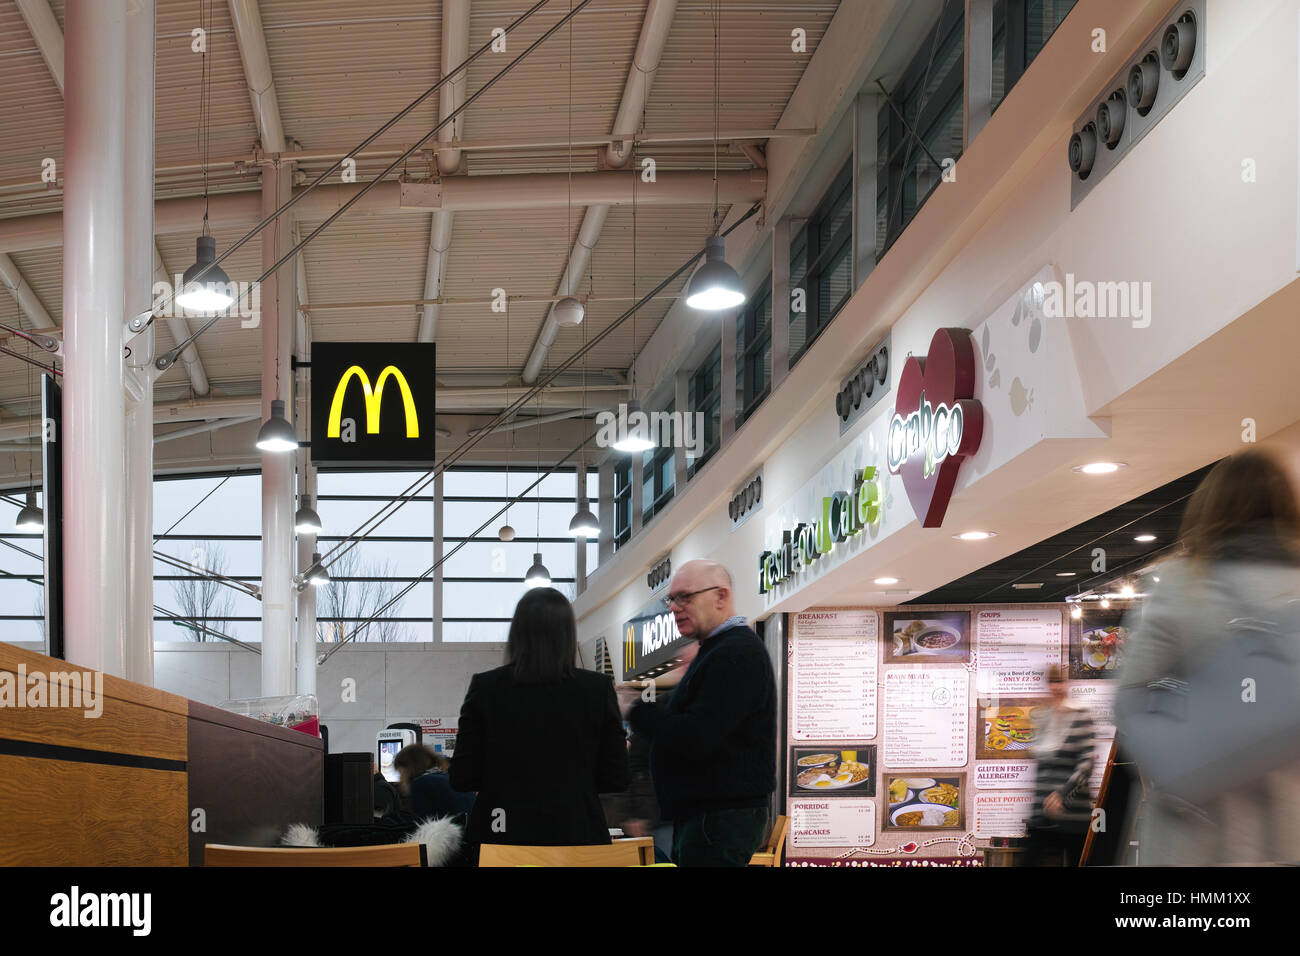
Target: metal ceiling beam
x=247 y=19
x=457 y=193
x=29 y=303
x=655 y=28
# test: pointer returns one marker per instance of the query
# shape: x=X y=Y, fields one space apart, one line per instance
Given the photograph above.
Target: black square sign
x=372 y=403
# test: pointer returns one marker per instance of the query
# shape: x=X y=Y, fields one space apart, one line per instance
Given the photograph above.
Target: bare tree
x=205 y=600
x=345 y=603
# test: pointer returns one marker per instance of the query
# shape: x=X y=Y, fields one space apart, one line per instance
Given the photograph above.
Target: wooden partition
x=119 y=778
x=80 y=788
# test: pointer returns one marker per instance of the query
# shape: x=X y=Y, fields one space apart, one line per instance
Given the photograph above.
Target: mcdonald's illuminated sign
x=650 y=641
x=351 y=422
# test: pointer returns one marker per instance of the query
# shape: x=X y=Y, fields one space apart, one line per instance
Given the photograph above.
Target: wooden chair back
x=620 y=853
x=396 y=854
x=771 y=854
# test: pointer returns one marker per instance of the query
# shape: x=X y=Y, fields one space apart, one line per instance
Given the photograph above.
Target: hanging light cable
x=569 y=311
x=507 y=532
x=30 y=518
x=715 y=284
x=633 y=439
x=204 y=286
x=538 y=576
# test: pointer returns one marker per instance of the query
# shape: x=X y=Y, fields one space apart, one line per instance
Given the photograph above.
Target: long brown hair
x=415 y=759
x=1246 y=493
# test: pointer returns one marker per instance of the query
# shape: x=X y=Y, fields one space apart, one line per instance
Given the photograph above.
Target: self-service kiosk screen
x=387 y=751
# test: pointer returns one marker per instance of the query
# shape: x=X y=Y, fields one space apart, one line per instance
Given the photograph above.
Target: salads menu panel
x=833 y=675
x=927 y=716
x=1100 y=701
x=1016 y=646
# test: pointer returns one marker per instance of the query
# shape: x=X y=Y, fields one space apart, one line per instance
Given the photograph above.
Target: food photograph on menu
x=1097 y=644
x=921 y=802
x=850 y=772
x=927 y=637
x=1004 y=726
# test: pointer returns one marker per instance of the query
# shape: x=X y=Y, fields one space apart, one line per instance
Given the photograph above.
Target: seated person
x=424 y=778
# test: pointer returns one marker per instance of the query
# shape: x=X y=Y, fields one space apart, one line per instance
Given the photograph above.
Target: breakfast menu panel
x=832 y=822
x=833 y=658
x=1016 y=646
x=927 y=713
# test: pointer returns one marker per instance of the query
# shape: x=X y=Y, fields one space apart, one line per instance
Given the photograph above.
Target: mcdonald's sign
x=372 y=403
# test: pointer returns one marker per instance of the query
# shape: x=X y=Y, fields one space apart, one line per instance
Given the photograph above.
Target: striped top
x=1065 y=768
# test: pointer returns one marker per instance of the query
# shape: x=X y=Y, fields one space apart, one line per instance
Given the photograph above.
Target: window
x=706 y=401
x=754 y=352
x=658 y=475
x=22 y=575
x=622 y=502
x=1021 y=28
x=821 y=265
x=926 y=103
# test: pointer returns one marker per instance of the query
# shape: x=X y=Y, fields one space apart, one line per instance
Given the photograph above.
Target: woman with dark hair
x=424 y=778
x=1240 y=558
x=539 y=737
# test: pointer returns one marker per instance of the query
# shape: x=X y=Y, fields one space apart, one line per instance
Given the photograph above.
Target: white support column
x=437 y=557
x=978 y=85
x=94 y=129
x=731 y=387
x=682 y=402
x=866 y=110
x=138 y=278
x=580 y=544
x=780 y=302
x=307 y=596
x=278 y=598
x=605 y=511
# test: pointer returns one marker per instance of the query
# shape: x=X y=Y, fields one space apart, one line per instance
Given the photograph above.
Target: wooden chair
x=396 y=854
x=618 y=853
x=771 y=854
x=645 y=846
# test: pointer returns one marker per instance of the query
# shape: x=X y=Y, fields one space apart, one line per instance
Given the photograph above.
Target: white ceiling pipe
x=455 y=49
x=593 y=221
x=649 y=48
x=205 y=427
x=302 y=324
x=28 y=301
x=439 y=243
x=257 y=72
x=640 y=77
x=45 y=31
x=519 y=423
x=459 y=193
x=179 y=327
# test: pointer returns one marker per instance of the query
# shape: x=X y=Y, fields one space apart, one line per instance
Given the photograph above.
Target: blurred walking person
x=1063 y=756
x=1228 y=594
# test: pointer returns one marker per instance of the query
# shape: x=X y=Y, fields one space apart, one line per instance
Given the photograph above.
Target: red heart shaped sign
x=936 y=424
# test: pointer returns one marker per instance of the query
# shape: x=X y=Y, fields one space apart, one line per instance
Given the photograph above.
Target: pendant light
x=715 y=285
x=210 y=293
x=316 y=575
x=634 y=439
x=537 y=576
x=30 y=518
x=584 y=523
x=276 y=434
x=306 y=521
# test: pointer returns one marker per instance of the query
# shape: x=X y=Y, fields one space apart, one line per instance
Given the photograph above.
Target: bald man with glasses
x=713 y=749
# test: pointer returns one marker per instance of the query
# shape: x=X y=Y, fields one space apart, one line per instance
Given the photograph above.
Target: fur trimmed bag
x=442 y=838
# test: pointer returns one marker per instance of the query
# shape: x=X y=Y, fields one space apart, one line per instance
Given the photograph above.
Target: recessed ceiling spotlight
x=1105 y=602
x=1076 y=612
x=886 y=580
x=975 y=535
x=1066 y=574
x=1099 y=467
x=1127 y=591
x=1157 y=580
x=1144 y=538
x=1028 y=586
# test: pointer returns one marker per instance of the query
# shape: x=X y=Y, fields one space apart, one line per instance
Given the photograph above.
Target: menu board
x=1002 y=813
x=832 y=822
x=1016 y=646
x=1099 y=698
x=833 y=674
x=1005 y=774
x=927 y=713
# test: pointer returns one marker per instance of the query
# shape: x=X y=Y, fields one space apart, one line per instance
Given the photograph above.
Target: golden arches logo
x=374 y=401
x=629 y=648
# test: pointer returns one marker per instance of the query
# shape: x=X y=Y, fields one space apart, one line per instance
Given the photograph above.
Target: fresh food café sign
x=843 y=515
x=372 y=403
x=937 y=423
